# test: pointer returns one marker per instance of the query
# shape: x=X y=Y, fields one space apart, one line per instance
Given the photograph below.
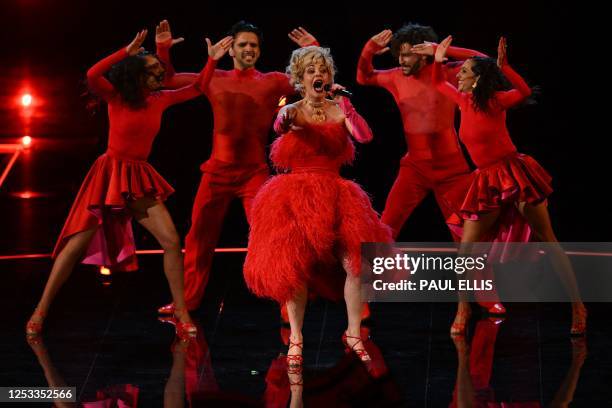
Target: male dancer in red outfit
x=434 y=161
x=244 y=102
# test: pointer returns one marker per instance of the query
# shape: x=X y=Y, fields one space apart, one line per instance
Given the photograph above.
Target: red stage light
x=26 y=100
x=26 y=141
x=24 y=194
x=105 y=271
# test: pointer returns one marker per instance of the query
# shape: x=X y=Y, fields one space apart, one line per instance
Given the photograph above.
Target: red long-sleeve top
x=427 y=116
x=484 y=133
x=244 y=103
x=132 y=131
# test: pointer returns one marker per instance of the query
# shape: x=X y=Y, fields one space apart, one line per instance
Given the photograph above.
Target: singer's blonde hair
x=302 y=58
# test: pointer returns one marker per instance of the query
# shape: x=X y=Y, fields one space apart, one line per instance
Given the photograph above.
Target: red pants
x=415 y=180
x=221 y=183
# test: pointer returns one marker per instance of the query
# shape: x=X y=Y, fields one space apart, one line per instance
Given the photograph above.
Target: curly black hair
x=490 y=80
x=244 y=27
x=413 y=34
x=127 y=78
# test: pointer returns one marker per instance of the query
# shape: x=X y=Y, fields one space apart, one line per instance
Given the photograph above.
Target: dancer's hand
x=440 y=55
x=135 y=46
x=502 y=55
x=302 y=37
x=288 y=116
x=427 y=48
x=219 y=49
x=382 y=39
x=163 y=35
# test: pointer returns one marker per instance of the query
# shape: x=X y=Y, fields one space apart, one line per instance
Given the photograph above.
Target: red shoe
x=497 y=310
x=461 y=319
x=579 y=317
x=184 y=329
x=496 y=319
x=294 y=361
x=284 y=314
x=166 y=309
x=361 y=353
x=34 y=328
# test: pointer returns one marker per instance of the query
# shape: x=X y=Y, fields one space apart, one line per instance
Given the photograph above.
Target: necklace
x=318 y=113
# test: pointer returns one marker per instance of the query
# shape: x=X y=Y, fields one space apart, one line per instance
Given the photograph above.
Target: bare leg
x=154 y=216
x=539 y=220
x=565 y=394
x=464 y=387
x=473 y=231
x=53 y=376
x=61 y=270
x=295 y=309
x=352 y=297
x=174 y=391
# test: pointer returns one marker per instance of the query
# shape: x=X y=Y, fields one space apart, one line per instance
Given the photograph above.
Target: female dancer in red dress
x=505 y=179
x=308 y=220
x=121 y=184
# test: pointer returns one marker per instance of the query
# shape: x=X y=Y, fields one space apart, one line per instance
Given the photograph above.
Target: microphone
x=342 y=92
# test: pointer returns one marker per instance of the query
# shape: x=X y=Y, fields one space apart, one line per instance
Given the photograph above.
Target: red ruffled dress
x=504 y=177
x=122 y=173
x=303 y=222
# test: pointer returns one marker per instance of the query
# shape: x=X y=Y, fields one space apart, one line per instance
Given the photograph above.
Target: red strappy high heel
x=361 y=353
x=493 y=309
x=35 y=328
x=183 y=330
x=461 y=319
x=579 y=317
x=166 y=309
x=299 y=379
x=294 y=361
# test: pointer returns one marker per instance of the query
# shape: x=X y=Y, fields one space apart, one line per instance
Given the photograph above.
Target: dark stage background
x=50 y=45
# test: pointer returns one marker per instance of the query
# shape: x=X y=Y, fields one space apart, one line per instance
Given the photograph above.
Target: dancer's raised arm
x=302 y=37
x=95 y=75
x=521 y=90
x=366 y=74
x=164 y=41
x=441 y=84
x=215 y=52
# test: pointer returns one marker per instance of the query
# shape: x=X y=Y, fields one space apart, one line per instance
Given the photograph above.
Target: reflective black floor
x=105 y=339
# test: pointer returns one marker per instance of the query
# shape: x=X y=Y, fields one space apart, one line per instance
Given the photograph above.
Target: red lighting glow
x=27 y=194
x=26 y=100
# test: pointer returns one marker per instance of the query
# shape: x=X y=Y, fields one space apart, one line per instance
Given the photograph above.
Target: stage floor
x=106 y=340
x=101 y=338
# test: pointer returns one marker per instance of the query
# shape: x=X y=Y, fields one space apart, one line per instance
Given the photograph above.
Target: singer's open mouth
x=318 y=85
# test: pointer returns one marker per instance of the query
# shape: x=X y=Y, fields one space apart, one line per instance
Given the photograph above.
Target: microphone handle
x=343 y=92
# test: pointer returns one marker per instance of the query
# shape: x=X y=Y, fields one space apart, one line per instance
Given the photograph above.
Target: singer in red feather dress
x=308 y=220
x=121 y=184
